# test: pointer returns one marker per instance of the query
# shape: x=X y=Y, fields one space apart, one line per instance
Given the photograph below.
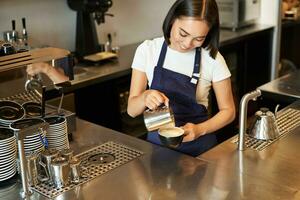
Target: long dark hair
x=206 y=10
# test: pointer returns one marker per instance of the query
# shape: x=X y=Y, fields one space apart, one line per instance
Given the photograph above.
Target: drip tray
x=287 y=121
x=101 y=158
x=95 y=162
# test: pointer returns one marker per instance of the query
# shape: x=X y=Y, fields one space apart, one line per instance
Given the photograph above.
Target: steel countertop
x=161 y=173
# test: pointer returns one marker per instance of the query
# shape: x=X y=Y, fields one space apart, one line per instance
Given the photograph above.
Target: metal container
x=238 y=13
x=161 y=117
x=264 y=127
x=46 y=158
x=67 y=153
x=60 y=169
x=32 y=169
x=75 y=170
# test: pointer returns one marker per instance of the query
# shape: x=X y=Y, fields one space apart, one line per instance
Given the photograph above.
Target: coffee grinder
x=89 y=11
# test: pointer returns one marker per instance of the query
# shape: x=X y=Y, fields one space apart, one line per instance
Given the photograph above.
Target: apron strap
x=196 y=71
x=162 y=55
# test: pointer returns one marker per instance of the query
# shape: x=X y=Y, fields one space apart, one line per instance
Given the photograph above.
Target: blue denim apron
x=181 y=91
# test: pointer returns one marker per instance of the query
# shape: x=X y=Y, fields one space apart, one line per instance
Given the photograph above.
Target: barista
x=288 y=5
x=180 y=69
x=55 y=74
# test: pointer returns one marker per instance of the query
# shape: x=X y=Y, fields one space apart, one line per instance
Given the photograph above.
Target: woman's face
x=188 y=33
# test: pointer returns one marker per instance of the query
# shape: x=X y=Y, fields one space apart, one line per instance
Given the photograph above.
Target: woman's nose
x=187 y=43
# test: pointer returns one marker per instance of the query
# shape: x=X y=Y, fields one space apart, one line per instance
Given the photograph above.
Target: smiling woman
x=180 y=69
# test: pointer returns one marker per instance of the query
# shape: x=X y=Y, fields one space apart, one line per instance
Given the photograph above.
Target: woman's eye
x=200 y=39
x=182 y=34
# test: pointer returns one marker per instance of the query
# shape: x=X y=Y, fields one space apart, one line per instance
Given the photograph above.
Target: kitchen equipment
x=8 y=153
x=34 y=83
x=171 y=137
x=10 y=111
x=57 y=133
x=24 y=33
x=32 y=169
x=7 y=36
x=21 y=132
x=46 y=158
x=90 y=170
x=86 y=35
x=161 y=117
x=7 y=49
x=75 y=170
x=67 y=153
x=264 y=126
x=60 y=169
x=36 y=141
x=32 y=109
x=238 y=13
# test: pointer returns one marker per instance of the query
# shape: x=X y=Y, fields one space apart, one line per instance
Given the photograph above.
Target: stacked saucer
x=8 y=154
x=34 y=142
x=57 y=133
x=32 y=109
x=10 y=111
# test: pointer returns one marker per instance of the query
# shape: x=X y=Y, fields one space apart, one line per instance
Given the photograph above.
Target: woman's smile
x=187 y=33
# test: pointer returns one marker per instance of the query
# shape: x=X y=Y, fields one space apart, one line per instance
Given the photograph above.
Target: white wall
x=53 y=23
x=271 y=14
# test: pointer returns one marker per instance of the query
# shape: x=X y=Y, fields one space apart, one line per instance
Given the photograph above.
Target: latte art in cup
x=171 y=132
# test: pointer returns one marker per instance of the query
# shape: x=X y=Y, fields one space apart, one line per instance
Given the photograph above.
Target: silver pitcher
x=60 y=168
x=46 y=158
x=161 y=117
x=264 y=127
x=75 y=170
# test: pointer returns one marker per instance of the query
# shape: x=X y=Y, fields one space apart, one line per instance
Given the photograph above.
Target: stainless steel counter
x=286 y=87
x=273 y=173
x=160 y=173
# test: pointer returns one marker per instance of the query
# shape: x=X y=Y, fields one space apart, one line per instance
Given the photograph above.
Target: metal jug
x=264 y=127
x=161 y=117
x=60 y=169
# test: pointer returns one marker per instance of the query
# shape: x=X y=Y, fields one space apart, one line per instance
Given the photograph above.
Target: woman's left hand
x=191 y=132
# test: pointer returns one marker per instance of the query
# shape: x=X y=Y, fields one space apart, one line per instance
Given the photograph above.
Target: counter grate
x=122 y=154
x=24 y=97
x=287 y=121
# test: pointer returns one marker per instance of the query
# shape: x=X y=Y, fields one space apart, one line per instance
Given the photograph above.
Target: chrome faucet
x=243 y=116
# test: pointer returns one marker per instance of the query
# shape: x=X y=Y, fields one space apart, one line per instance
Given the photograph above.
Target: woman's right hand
x=154 y=98
x=37 y=68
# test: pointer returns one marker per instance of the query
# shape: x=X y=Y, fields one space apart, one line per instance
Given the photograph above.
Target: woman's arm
x=140 y=98
x=54 y=74
x=225 y=115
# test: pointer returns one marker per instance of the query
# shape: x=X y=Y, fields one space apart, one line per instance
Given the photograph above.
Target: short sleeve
x=139 y=60
x=221 y=70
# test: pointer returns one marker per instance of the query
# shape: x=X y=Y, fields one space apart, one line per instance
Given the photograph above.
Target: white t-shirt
x=211 y=70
